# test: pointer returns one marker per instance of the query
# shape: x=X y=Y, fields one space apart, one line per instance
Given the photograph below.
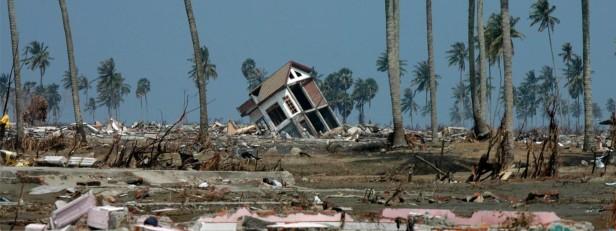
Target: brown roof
x=247 y=107
x=278 y=80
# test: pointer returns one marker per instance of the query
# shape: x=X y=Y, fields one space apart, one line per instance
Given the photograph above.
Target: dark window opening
x=328 y=117
x=276 y=114
x=291 y=130
x=299 y=75
x=303 y=101
x=291 y=75
x=316 y=121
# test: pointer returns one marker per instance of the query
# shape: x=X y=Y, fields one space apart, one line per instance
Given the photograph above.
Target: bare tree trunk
x=17 y=73
x=483 y=99
x=588 y=117
x=433 y=116
x=203 y=120
x=482 y=131
x=507 y=153
x=81 y=133
x=392 y=23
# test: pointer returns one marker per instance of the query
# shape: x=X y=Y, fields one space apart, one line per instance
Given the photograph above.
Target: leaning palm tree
x=542 y=13
x=588 y=129
x=392 y=25
x=72 y=67
x=200 y=75
x=481 y=128
x=506 y=157
x=143 y=88
x=16 y=72
x=432 y=85
x=37 y=57
x=209 y=68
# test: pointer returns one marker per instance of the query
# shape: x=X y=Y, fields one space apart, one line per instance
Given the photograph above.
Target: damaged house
x=290 y=101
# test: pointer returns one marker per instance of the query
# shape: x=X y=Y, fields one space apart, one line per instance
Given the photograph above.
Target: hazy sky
x=150 y=38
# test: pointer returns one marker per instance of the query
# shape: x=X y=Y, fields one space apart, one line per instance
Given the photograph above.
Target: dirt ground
x=341 y=179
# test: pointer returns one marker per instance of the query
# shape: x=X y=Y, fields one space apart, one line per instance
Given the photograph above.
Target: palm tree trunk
x=432 y=83
x=483 y=100
x=507 y=154
x=203 y=120
x=588 y=118
x=392 y=17
x=81 y=133
x=16 y=72
x=481 y=128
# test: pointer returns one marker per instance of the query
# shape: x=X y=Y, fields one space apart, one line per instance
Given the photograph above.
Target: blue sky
x=150 y=38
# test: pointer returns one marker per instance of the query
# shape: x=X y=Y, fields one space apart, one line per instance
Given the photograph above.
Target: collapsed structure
x=289 y=101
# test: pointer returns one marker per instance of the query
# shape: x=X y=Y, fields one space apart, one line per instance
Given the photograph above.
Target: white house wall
x=278 y=97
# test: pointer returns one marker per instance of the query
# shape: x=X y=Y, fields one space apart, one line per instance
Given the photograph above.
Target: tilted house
x=290 y=101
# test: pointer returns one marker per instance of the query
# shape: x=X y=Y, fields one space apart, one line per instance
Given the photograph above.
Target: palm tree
x=567 y=53
x=143 y=88
x=72 y=67
x=252 y=73
x=36 y=56
x=381 y=64
x=4 y=86
x=110 y=87
x=208 y=67
x=203 y=120
x=363 y=93
x=392 y=31
x=481 y=128
x=408 y=103
x=91 y=107
x=610 y=105
x=494 y=36
x=457 y=57
x=460 y=105
x=483 y=88
x=421 y=80
x=506 y=157
x=53 y=97
x=83 y=84
x=432 y=85
x=574 y=73
x=542 y=13
x=16 y=72
x=588 y=129
x=596 y=110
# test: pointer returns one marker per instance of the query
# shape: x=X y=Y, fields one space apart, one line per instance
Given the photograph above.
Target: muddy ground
x=341 y=179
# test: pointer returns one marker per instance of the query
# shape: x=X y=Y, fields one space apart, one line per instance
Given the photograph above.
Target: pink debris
x=478 y=218
x=74 y=210
x=296 y=217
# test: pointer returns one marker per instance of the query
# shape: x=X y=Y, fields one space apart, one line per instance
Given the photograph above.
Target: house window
x=328 y=117
x=276 y=114
x=290 y=104
x=303 y=101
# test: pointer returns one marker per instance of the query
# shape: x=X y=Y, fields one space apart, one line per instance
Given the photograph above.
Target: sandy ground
x=342 y=178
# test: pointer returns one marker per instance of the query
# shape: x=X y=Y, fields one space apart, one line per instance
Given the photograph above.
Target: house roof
x=247 y=107
x=277 y=80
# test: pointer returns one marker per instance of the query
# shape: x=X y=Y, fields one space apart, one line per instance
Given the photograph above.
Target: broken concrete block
x=52 y=160
x=72 y=211
x=107 y=217
x=77 y=161
x=35 y=227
